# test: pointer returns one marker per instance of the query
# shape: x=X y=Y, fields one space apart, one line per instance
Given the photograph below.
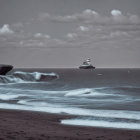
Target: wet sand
x=27 y=125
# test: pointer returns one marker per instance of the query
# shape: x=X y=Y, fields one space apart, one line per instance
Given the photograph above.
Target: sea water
x=99 y=98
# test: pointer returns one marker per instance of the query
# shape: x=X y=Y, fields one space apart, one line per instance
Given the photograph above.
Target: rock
x=5 y=68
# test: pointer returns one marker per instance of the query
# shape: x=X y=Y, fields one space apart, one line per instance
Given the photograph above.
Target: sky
x=63 y=33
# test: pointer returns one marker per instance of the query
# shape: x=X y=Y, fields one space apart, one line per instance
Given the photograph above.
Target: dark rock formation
x=5 y=68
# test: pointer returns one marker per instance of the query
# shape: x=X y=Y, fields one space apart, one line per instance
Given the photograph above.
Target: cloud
x=100 y=34
x=34 y=40
x=90 y=27
x=29 y=40
x=88 y=13
x=6 y=29
x=90 y=16
x=83 y=28
x=39 y=35
x=116 y=13
x=71 y=35
x=134 y=19
x=94 y=28
x=116 y=35
x=53 y=18
x=128 y=18
x=44 y=16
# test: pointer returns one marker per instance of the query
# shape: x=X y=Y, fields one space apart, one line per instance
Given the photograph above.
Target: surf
x=22 y=77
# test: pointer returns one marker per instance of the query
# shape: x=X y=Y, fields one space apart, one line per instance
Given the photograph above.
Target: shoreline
x=30 y=125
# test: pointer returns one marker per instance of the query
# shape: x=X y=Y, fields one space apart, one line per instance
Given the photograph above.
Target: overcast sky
x=63 y=33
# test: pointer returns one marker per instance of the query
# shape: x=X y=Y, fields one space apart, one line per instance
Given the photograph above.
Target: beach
x=28 y=125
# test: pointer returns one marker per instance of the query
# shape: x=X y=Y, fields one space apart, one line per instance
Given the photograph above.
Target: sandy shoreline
x=27 y=125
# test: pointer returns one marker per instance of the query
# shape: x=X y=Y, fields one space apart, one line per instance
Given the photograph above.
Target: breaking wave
x=21 y=77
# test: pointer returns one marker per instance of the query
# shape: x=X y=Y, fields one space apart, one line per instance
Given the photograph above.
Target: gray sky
x=62 y=33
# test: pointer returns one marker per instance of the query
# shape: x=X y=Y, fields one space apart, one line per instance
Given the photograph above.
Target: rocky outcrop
x=5 y=68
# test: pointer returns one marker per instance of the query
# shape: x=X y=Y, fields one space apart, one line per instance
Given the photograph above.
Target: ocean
x=97 y=98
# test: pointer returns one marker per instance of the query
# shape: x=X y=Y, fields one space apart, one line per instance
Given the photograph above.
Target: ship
x=87 y=65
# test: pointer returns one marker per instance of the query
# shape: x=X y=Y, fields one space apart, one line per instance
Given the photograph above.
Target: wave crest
x=21 y=77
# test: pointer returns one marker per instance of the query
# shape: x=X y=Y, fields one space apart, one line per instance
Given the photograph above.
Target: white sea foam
x=97 y=123
x=82 y=92
x=38 y=104
x=108 y=114
x=28 y=92
x=34 y=75
x=8 y=97
x=78 y=92
x=87 y=92
x=66 y=93
x=55 y=108
x=23 y=77
x=32 y=108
